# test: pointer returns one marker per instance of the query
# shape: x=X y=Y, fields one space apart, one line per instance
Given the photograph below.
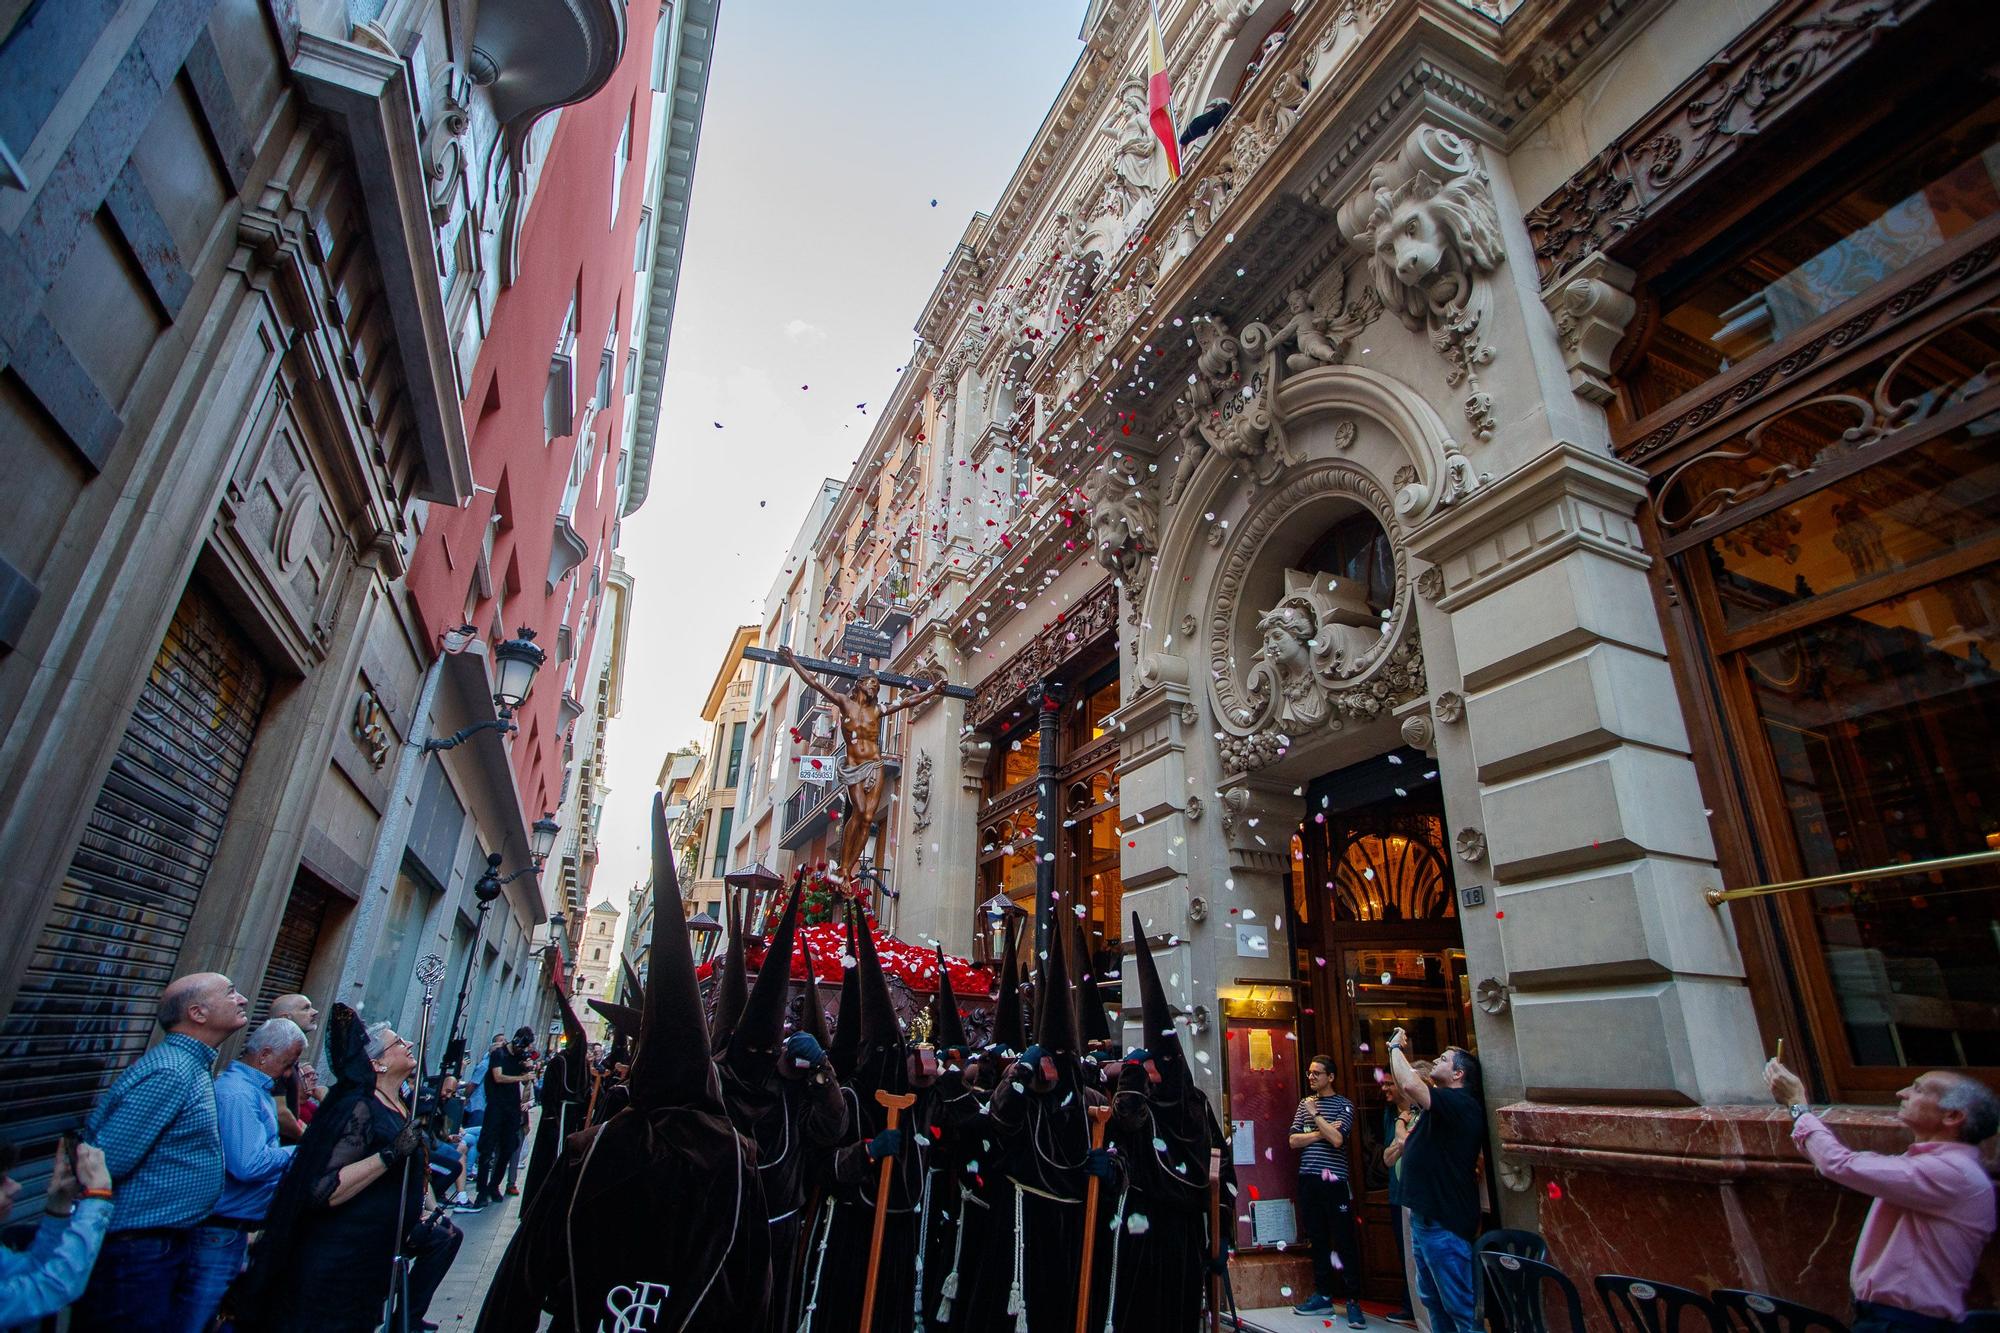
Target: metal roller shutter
x=86 y=1005
x=292 y=954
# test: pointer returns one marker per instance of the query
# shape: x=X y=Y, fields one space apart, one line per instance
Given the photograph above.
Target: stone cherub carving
x=1221 y=416
x=1229 y=410
x=1427 y=221
x=1319 y=633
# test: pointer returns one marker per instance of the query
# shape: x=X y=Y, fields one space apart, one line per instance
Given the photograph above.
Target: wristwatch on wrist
x=1797 y=1109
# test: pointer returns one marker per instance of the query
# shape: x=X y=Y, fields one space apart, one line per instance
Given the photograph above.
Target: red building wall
x=569 y=247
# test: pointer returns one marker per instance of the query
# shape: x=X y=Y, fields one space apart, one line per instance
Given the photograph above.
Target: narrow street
x=1019 y=658
x=464 y=1289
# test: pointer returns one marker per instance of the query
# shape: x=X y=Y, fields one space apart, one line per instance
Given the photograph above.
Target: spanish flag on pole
x=1158 y=95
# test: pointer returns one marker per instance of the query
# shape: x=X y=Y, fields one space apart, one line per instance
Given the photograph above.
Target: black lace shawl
x=341 y=1133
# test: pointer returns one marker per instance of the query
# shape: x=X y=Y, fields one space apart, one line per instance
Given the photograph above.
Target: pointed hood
x=947 y=1026
x=879 y=1028
x=1055 y=1019
x=1092 y=1024
x=812 y=1014
x=634 y=990
x=672 y=1067
x=732 y=987
x=574 y=1059
x=847 y=1020
x=1159 y=1036
x=1008 y=1030
x=623 y=1019
x=572 y=1025
x=762 y=1025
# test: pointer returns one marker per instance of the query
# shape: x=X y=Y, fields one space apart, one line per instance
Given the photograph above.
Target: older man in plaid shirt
x=157 y=1127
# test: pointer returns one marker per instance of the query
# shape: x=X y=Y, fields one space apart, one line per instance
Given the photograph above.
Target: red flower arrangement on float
x=826 y=896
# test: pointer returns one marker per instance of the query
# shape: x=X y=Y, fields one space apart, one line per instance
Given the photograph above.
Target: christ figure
x=861 y=716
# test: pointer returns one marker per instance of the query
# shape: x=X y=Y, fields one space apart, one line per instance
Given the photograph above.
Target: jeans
x=1444 y=1275
x=471 y=1154
x=215 y=1257
x=144 y=1282
x=1407 y=1248
x=1329 y=1220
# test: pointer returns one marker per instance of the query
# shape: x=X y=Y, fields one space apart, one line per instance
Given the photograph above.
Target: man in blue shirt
x=253 y=1159
x=157 y=1128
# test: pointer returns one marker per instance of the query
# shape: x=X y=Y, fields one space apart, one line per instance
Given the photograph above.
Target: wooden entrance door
x=1376 y=916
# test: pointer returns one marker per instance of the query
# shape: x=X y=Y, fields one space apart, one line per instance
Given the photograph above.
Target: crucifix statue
x=861 y=714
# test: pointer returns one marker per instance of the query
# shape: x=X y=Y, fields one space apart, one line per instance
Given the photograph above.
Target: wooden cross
x=847 y=672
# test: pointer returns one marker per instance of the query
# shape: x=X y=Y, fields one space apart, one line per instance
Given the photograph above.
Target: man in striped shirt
x=1320 y=1131
x=157 y=1127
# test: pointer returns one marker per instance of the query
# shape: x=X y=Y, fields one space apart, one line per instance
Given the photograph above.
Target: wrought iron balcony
x=888 y=606
x=805 y=814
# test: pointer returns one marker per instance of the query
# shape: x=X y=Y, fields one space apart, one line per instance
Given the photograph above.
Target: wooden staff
x=896 y=1103
x=1216 y=1250
x=1098 y=1116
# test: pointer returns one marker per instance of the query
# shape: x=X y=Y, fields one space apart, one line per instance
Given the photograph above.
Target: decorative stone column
x=1625 y=985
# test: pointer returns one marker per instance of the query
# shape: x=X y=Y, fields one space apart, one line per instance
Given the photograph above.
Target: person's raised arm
x=1407 y=1078
x=791 y=659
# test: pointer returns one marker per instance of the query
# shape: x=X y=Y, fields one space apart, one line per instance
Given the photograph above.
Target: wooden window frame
x=1784 y=958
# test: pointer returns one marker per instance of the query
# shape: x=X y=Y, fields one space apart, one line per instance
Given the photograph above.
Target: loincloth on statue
x=866 y=775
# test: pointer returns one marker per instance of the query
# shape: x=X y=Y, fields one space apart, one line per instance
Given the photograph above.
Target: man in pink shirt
x=1933 y=1206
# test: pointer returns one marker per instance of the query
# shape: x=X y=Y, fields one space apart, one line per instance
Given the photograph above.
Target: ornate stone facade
x=1213 y=410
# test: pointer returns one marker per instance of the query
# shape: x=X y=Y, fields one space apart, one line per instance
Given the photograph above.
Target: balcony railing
x=805 y=814
x=888 y=606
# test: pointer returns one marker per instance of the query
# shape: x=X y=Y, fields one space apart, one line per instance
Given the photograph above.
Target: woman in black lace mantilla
x=324 y=1264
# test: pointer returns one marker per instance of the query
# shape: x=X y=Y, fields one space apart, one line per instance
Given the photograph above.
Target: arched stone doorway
x=1283 y=616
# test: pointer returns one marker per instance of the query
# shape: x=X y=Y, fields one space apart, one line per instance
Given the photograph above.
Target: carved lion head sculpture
x=1426 y=219
x=1429 y=239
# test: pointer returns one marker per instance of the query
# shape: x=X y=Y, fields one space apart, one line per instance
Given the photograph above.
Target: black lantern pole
x=1047 y=698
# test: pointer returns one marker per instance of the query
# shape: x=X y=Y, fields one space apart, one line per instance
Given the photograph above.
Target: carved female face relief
x=1337 y=643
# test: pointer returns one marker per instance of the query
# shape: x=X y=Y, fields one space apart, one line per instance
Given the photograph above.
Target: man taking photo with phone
x=1441 y=1179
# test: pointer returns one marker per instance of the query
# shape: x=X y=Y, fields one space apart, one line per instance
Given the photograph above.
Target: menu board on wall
x=1272 y=1222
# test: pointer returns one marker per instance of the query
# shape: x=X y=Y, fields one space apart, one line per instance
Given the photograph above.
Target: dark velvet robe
x=793 y=1122
x=957 y=1239
x=836 y=1254
x=1042 y=1141
x=662 y=1207
x=565 y=1093
x=1163 y=1133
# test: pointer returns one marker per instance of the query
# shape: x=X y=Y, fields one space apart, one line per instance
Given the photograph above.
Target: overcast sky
x=843 y=150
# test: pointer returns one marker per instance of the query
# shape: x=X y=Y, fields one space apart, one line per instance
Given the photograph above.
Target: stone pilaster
x=1624 y=984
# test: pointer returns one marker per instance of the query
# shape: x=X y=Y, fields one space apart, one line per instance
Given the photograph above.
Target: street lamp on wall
x=487 y=890
x=542 y=837
x=516 y=661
